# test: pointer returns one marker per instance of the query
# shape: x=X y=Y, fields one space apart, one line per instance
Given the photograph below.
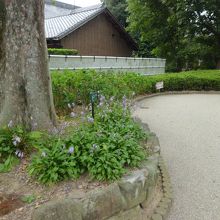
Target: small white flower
x=102 y=98
x=19 y=153
x=72 y=115
x=101 y=104
x=95 y=146
x=43 y=154
x=16 y=152
x=90 y=120
x=73 y=105
x=112 y=99
x=10 y=124
x=18 y=139
x=69 y=105
x=71 y=150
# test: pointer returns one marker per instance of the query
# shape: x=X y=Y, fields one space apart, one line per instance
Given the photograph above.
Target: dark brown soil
x=9 y=203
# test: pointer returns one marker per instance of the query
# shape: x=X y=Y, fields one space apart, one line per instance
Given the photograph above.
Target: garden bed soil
x=17 y=184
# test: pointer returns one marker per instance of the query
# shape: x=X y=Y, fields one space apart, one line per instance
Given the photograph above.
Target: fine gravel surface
x=188 y=127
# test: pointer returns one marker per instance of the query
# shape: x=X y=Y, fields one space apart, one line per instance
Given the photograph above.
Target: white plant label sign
x=159 y=85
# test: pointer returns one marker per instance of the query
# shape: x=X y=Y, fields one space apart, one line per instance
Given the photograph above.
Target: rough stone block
x=145 y=127
x=162 y=211
x=67 y=209
x=150 y=196
x=164 y=205
x=102 y=204
x=151 y=164
x=134 y=188
x=167 y=201
x=150 y=141
x=132 y=214
x=157 y=217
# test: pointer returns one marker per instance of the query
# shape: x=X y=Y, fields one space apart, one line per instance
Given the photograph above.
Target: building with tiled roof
x=91 y=30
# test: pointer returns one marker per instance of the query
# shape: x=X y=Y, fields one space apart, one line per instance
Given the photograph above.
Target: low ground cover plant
x=76 y=85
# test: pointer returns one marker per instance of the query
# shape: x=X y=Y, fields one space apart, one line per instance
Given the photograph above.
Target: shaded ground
x=188 y=127
x=17 y=184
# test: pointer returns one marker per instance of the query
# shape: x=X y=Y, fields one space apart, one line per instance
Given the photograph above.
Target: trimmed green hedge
x=60 y=51
x=75 y=86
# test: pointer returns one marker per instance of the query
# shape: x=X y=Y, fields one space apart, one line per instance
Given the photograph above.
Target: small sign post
x=159 y=85
x=93 y=99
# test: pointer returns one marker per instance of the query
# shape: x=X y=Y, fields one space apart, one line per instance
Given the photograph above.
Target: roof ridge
x=89 y=8
x=80 y=10
x=61 y=4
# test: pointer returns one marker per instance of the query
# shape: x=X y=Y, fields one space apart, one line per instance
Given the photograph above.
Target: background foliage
x=186 y=33
x=118 y=9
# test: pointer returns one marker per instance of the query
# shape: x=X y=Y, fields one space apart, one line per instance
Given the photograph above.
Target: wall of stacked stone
x=122 y=200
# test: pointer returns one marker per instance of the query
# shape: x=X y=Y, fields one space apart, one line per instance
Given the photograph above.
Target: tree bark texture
x=25 y=84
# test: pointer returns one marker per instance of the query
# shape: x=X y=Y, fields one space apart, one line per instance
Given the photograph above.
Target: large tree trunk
x=25 y=84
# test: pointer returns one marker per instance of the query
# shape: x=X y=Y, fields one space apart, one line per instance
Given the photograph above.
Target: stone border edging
x=163 y=208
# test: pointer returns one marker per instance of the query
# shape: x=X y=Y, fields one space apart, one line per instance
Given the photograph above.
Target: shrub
x=60 y=51
x=70 y=86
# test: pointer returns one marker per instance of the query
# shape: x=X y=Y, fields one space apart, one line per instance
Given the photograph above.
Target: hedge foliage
x=75 y=86
x=60 y=51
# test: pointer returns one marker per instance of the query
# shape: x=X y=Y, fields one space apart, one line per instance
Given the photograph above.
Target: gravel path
x=188 y=127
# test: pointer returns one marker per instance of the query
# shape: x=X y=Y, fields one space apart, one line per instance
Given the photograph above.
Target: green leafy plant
x=56 y=162
x=15 y=142
x=28 y=198
x=8 y=163
x=103 y=147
